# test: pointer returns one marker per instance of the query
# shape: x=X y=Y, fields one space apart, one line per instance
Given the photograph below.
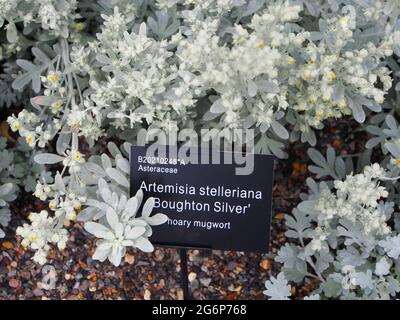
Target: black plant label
x=208 y=202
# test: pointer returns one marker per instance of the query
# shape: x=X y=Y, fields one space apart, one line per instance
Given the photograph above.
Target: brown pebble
x=8 y=245
x=280 y=216
x=265 y=264
x=129 y=259
x=147 y=295
x=180 y=294
x=14 y=283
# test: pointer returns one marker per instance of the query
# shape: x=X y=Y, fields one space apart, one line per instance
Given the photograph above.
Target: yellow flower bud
x=343 y=21
x=73 y=217
x=331 y=75
x=15 y=126
x=79 y=26
x=32 y=237
x=53 y=77
x=77 y=156
x=30 y=139
x=52 y=205
x=57 y=104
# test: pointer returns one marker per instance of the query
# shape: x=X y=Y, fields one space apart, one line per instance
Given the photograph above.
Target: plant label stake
x=184 y=274
x=209 y=205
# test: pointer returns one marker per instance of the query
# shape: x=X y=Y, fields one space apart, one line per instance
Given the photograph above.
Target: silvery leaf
x=331 y=288
x=143 y=244
x=48 y=158
x=123 y=165
x=251 y=88
x=135 y=232
x=393 y=149
x=148 y=207
x=5 y=189
x=373 y=142
x=112 y=218
x=112 y=147
x=12 y=33
x=364 y=279
x=105 y=161
x=280 y=130
x=298 y=224
x=118 y=177
x=358 y=112
x=98 y=230
x=95 y=169
x=277 y=288
x=102 y=251
x=392 y=246
x=267 y=86
x=382 y=267
x=106 y=195
x=217 y=107
x=63 y=142
x=157 y=219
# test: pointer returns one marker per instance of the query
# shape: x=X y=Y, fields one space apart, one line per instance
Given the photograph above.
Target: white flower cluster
x=96 y=192
x=64 y=203
x=356 y=199
x=219 y=7
x=261 y=73
x=42 y=231
x=334 y=69
x=29 y=126
x=247 y=75
x=346 y=239
x=139 y=75
x=350 y=278
x=388 y=136
x=52 y=15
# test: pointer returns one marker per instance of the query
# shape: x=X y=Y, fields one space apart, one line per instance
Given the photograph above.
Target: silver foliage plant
x=180 y=64
x=111 y=214
x=18 y=172
x=5 y=197
x=87 y=70
x=346 y=232
x=348 y=228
